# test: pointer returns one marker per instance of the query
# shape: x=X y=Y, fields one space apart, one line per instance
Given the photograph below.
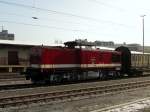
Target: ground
x=86 y=105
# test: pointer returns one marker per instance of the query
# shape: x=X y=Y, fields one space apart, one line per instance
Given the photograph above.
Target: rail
x=70 y=95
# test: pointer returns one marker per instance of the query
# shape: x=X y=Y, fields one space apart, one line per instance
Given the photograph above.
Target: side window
x=133 y=57
x=140 y=58
x=145 y=59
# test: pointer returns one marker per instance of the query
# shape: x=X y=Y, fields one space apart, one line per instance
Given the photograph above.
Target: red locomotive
x=69 y=63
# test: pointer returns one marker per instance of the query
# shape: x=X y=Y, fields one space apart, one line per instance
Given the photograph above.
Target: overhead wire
x=57 y=12
x=53 y=27
x=55 y=20
x=107 y=5
x=46 y=26
x=48 y=19
x=133 y=13
x=64 y=13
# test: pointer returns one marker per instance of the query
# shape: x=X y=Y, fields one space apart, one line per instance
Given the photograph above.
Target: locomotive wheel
x=102 y=75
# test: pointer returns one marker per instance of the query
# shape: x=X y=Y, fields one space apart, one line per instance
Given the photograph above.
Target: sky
x=66 y=20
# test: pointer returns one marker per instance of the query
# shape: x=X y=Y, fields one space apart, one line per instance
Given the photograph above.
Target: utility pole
x=143 y=30
x=143 y=37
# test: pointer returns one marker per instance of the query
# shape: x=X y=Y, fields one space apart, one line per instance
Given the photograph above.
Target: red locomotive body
x=56 y=58
x=63 y=63
x=98 y=59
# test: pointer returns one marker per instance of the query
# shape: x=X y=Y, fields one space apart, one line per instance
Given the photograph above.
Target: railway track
x=16 y=86
x=70 y=95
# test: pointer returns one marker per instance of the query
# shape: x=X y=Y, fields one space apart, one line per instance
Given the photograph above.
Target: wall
x=23 y=54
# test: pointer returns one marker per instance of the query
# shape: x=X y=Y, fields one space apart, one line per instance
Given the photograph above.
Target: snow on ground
x=132 y=107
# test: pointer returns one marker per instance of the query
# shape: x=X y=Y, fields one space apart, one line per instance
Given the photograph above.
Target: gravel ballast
x=85 y=105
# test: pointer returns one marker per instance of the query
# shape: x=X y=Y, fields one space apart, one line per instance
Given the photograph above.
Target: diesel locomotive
x=73 y=62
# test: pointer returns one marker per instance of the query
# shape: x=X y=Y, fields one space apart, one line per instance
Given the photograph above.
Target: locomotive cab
x=35 y=60
x=35 y=55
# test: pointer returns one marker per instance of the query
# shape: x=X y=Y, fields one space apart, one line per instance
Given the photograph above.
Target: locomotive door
x=78 y=57
x=13 y=58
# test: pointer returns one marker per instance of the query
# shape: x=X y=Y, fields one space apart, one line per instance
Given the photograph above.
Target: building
x=4 y=35
x=15 y=55
x=135 y=47
x=111 y=44
x=104 y=43
x=97 y=43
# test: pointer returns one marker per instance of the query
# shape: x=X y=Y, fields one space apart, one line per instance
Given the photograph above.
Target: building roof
x=30 y=44
x=133 y=52
x=25 y=43
x=105 y=48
